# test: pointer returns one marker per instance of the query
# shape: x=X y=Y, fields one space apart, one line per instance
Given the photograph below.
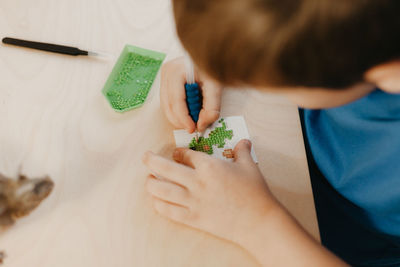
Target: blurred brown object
x=18 y=197
x=2 y=256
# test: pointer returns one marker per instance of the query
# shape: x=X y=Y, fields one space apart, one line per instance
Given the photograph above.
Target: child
x=329 y=57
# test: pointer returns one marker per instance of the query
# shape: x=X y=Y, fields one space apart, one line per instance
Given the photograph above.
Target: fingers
x=242 y=152
x=211 y=104
x=172 y=95
x=179 y=107
x=167 y=191
x=206 y=117
x=164 y=99
x=189 y=157
x=171 y=211
x=168 y=169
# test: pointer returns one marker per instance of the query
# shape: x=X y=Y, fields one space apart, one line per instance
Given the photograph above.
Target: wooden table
x=54 y=120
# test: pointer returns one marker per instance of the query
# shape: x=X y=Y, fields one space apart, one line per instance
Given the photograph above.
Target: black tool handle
x=61 y=49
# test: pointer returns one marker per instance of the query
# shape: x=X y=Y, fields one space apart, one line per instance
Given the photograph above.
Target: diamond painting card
x=218 y=140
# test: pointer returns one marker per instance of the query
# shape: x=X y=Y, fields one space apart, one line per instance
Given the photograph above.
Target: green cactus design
x=216 y=137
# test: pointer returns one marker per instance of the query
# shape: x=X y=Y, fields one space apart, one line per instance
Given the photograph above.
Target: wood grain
x=54 y=120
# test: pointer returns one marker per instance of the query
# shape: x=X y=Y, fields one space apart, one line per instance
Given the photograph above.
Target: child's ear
x=386 y=76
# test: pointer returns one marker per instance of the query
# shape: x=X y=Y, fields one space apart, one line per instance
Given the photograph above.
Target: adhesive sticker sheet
x=219 y=140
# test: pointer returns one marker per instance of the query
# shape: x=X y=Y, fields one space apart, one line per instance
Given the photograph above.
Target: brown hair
x=314 y=43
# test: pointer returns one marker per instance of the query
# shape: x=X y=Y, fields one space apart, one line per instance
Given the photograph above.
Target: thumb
x=211 y=104
x=206 y=118
x=242 y=152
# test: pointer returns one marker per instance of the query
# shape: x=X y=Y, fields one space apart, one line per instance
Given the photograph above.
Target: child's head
x=332 y=51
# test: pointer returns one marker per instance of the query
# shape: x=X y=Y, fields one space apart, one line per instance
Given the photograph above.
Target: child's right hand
x=173 y=97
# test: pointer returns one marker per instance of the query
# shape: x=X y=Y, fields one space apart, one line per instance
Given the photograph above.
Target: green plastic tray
x=133 y=75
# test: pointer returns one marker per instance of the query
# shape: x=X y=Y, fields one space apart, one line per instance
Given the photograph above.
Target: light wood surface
x=54 y=120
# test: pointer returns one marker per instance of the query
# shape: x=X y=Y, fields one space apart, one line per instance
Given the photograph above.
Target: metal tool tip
x=93 y=54
x=101 y=55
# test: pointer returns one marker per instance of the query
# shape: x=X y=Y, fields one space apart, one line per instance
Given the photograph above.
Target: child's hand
x=173 y=97
x=231 y=201
x=223 y=198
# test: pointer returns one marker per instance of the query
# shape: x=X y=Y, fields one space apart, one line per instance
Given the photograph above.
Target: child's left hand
x=223 y=198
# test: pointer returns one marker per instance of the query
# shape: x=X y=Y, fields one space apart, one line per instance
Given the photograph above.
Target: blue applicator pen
x=193 y=93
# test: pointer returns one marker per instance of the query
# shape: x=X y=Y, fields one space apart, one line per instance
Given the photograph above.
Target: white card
x=219 y=139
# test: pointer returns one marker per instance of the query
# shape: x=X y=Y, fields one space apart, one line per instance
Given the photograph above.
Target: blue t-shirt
x=357 y=149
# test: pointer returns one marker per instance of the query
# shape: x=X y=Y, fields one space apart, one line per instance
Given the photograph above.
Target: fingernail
x=201 y=128
x=248 y=143
x=189 y=130
x=175 y=155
